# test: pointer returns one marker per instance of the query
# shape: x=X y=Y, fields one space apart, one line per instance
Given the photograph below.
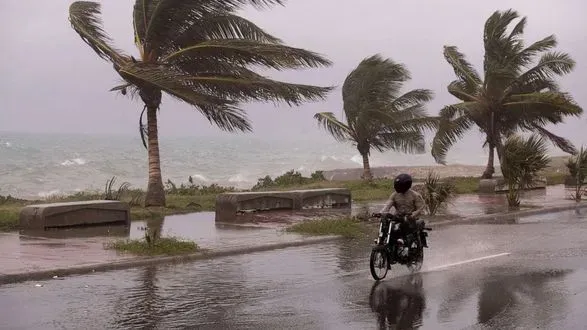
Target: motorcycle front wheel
x=378 y=263
x=417 y=260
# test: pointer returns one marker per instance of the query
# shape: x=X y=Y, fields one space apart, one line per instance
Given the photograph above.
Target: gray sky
x=53 y=82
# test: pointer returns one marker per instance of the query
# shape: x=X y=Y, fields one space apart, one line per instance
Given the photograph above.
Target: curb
x=507 y=216
x=149 y=261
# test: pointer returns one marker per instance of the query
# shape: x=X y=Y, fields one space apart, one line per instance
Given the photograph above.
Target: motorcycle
x=396 y=245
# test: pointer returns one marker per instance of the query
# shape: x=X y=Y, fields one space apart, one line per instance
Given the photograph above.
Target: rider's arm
x=389 y=204
x=419 y=204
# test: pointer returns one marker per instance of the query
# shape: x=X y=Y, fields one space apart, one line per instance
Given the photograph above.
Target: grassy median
x=346 y=227
x=161 y=246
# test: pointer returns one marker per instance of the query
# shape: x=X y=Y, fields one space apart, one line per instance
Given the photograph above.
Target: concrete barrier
x=498 y=185
x=230 y=205
x=58 y=215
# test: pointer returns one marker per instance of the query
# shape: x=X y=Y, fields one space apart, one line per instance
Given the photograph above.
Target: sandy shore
x=420 y=172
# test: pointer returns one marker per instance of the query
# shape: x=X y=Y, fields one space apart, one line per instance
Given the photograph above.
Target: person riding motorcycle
x=407 y=202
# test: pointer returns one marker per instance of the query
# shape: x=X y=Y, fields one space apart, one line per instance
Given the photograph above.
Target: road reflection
x=398 y=304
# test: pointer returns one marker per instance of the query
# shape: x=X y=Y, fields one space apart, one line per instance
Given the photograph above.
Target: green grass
x=162 y=246
x=9 y=217
x=345 y=227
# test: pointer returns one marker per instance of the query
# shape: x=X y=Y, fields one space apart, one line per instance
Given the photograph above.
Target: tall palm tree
x=201 y=53
x=516 y=93
x=377 y=115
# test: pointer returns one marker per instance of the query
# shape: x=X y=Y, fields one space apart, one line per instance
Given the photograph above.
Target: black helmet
x=402 y=183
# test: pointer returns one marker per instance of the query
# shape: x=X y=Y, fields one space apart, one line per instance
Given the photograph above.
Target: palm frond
x=84 y=17
x=496 y=25
x=372 y=85
x=222 y=112
x=461 y=91
x=215 y=26
x=412 y=98
x=559 y=141
x=462 y=69
x=525 y=56
x=244 y=53
x=518 y=29
x=416 y=124
x=336 y=128
x=160 y=20
x=551 y=64
x=251 y=86
x=452 y=125
x=401 y=141
x=549 y=105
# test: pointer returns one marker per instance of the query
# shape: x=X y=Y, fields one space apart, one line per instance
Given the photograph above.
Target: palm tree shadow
x=399 y=304
x=502 y=291
x=513 y=292
x=140 y=307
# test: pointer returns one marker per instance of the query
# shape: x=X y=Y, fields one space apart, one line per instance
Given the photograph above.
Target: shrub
x=522 y=160
x=436 y=193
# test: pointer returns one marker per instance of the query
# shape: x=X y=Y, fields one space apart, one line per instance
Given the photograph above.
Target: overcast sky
x=52 y=82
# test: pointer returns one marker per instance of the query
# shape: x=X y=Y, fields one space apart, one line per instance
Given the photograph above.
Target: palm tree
x=201 y=53
x=377 y=116
x=522 y=160
x=516 y=93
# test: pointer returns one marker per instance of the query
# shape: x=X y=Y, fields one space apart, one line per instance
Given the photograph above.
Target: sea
x=42 y=165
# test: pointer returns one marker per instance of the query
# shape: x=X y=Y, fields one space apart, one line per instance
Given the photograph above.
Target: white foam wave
x=200 y=177
x=75 y=161
x=8 y=144
x=238 y=178
x=357 y=159
x=324 y=158
x=46 y=194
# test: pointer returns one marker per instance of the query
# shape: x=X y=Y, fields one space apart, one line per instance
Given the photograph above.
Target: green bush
x=289 y=179
x=191 y=189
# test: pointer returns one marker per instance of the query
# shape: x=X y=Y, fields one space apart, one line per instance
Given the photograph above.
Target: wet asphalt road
x=529 y=274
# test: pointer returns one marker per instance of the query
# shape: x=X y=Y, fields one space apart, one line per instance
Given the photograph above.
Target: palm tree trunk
x=490 y=169
x=155 y=193
x=367 y=175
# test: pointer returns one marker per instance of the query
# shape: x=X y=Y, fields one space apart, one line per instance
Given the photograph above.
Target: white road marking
x=468 y=261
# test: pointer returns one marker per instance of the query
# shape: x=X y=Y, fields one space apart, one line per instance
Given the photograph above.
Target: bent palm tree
x=514 y=95
x=377 y=116
x=201 y=53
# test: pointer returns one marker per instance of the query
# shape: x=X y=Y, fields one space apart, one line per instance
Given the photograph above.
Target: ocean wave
x=238 y=178
x=200 y=177
x=47 y=194
x=75 y=161
x=324 y=158
x=358 y=159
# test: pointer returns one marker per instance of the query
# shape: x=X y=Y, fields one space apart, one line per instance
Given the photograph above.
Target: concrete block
x=230 y=205
x=498 y=185
x=56 y=215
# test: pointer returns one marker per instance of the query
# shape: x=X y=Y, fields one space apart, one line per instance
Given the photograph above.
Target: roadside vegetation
x=523 y=159
x=162 y=246
x=189 y=197
x=346 y=227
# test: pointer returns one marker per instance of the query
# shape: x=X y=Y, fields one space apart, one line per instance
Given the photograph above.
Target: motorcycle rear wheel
x=378 y=262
